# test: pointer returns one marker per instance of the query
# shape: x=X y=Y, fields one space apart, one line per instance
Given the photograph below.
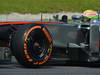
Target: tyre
x=32 y=45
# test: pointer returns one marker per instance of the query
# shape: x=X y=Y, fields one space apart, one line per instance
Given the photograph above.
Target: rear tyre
x=32 y=45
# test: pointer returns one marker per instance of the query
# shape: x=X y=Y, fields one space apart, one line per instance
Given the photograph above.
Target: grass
x=47 y=6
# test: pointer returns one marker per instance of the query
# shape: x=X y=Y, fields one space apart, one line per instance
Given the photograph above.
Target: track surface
x=57 y=68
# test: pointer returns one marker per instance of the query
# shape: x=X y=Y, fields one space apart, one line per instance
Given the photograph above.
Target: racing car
x=36 y=43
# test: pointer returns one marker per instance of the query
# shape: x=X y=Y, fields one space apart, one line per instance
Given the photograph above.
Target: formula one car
x=34 y=43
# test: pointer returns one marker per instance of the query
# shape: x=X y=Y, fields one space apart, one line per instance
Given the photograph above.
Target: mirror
x=76 y=17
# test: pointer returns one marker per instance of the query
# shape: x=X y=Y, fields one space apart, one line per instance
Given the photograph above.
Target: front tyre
x=32 y=45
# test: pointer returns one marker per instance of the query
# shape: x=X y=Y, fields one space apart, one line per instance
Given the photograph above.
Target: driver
x=90 y=14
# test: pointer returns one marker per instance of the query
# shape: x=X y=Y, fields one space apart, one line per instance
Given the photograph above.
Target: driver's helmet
x=91 y=14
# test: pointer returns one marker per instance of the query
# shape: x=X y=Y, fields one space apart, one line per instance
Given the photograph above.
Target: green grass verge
x=47 y=6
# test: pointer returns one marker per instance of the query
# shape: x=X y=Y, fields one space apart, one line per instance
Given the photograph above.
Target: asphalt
x=56 y=68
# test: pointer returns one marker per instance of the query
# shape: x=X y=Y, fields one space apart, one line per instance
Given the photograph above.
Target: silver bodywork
x=63 y=34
